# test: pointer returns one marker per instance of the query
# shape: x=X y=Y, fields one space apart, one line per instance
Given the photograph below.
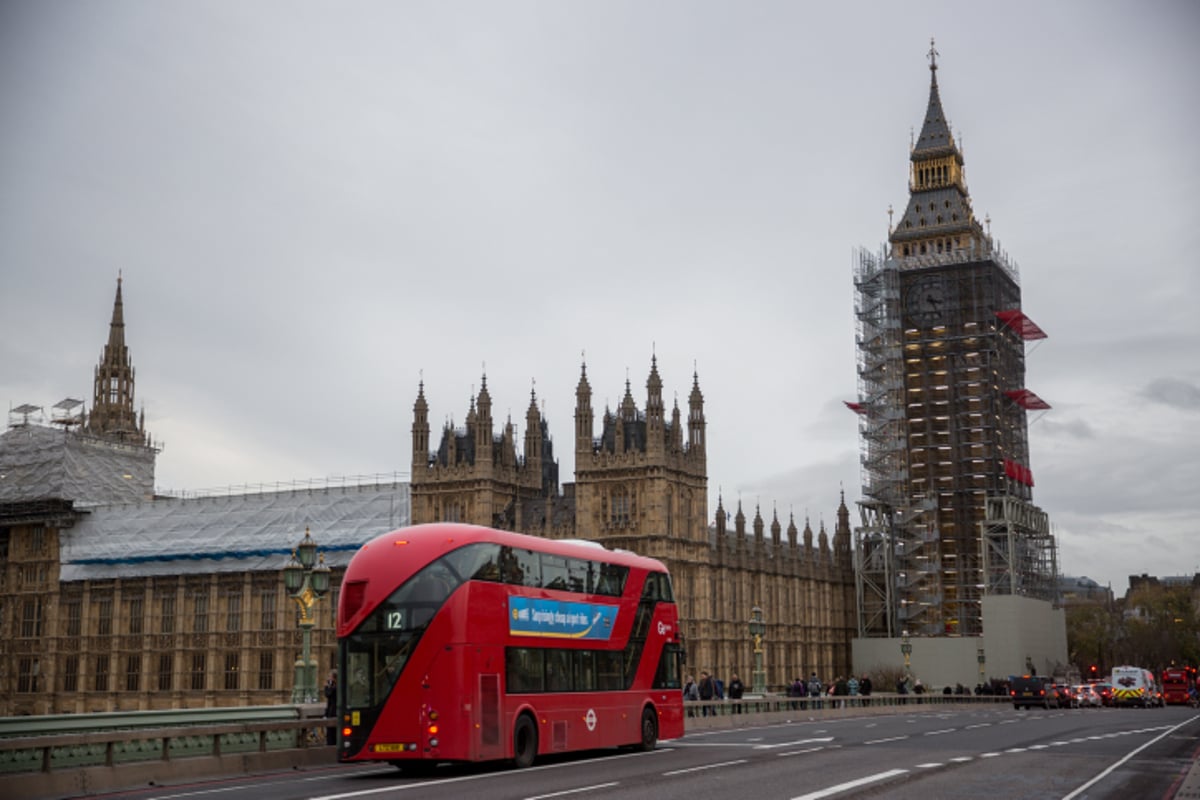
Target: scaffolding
x=947 y=513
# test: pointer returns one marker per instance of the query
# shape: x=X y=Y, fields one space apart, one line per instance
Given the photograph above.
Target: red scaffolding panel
x=1018 y=472
x=857 y=408
x=1026 y=328
x=1027 y=400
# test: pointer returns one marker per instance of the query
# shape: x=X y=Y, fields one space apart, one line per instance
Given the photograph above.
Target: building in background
x=115 y=598
x=947 y=513
x=641 y=484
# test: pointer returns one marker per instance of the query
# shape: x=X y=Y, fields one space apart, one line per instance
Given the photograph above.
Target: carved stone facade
x=641 y=485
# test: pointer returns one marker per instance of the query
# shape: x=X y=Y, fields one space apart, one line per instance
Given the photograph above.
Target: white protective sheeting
x=39 y=462
x=231 y=533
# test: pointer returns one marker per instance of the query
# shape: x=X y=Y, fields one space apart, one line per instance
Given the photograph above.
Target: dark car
x=1104 y=689
x=1063 y=694
x=1029 y=691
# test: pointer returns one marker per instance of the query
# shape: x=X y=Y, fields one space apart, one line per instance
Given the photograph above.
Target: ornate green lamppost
x=307 y=581
x=758 y=628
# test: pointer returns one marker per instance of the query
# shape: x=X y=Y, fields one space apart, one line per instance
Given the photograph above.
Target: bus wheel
x=525 y=742
x=649 y=730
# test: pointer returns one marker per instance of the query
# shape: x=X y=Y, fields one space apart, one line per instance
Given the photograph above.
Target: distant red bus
x=1176 y=682
x=462 y=643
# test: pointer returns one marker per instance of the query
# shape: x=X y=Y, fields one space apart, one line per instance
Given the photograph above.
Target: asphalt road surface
x=996 y=753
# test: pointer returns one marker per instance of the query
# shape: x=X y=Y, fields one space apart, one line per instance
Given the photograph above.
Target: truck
x=1135 y=686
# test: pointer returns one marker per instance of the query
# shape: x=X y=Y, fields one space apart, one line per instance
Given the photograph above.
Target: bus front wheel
x=525 y=742
x=649 y=730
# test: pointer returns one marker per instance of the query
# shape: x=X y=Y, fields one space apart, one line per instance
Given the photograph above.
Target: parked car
x=1086 y=696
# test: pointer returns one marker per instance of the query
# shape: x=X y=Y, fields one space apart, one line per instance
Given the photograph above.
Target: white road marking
x=705 y=766
x=928 y=766
x=841 y=787
x=890 y=739
x=962 y=759
x=938 y=733
x=792 y=744
x=801 y=752
x=571 y=791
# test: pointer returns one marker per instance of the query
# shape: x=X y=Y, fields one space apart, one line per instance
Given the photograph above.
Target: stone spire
x=113 y=416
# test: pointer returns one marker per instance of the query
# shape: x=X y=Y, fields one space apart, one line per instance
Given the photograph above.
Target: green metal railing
x=60 y=741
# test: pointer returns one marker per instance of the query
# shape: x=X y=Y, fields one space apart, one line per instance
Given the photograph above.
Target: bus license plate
x=389 y=748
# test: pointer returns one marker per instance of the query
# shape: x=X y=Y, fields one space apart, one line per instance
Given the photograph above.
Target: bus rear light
x=432 y=730
x=433 y=742
x=433 y=715
x=347 y=731
x=400 y=543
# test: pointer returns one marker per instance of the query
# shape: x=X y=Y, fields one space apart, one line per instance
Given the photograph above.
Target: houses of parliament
x=116 y=597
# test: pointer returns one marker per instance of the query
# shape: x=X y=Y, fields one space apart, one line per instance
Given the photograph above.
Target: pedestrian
x=691 y=693
x=853 y=686
x=814 y=689
x=736 y=690
x=864 y=688
x=331 y=705
x=707 y=692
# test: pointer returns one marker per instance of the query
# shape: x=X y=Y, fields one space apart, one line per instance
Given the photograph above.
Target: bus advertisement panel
x=462 y=643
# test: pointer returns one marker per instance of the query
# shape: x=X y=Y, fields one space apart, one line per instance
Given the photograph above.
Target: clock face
x=925 y=302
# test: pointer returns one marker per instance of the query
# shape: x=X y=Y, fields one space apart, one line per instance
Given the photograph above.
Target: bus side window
x=578 y=572
x=558 y=670
x=524 y=668
x=554 y=572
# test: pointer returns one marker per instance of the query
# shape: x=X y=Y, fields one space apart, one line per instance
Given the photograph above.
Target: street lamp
x=906 y=649
x=982 y=659
x=758 y=627
x=307 y=581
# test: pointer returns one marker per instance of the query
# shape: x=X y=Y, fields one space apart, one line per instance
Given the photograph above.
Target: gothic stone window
x=104 y=617
x=28 y=671
x=136 y=614
x=266 y=670
x=71 y=674
x=101 y=676
x=231 y=672
x=198 y=670
x=200 y=611
x=31 y=618
x=74 y=614
x=166 y=672
x=233 y=610
x=133 y=672
x=166 y=620
x=267 y=603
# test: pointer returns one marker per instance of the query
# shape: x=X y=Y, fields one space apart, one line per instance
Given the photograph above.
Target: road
x=995 y=752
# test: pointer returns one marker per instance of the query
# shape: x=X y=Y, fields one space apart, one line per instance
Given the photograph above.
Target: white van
x=1134 y=686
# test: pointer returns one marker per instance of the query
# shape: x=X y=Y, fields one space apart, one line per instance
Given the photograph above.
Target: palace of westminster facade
x=115 y=598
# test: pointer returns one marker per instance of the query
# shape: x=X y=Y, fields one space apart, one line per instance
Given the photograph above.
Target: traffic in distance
x=466 y=644
x=1128 y=687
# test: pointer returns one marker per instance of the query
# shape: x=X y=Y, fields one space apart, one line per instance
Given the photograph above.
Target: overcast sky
x=313 y=205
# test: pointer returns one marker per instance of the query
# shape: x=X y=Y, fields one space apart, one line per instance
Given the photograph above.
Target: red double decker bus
x=462 y=643
x=1176 y=685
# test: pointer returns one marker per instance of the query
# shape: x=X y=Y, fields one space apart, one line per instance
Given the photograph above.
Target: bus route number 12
x=395 y=620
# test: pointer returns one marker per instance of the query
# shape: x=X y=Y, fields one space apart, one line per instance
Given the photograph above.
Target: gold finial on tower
x=932 y=54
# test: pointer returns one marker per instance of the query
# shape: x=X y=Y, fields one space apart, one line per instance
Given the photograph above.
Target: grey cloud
x=1174 y=392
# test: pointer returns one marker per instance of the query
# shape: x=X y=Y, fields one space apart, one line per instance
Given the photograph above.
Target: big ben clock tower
x=947 y=513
